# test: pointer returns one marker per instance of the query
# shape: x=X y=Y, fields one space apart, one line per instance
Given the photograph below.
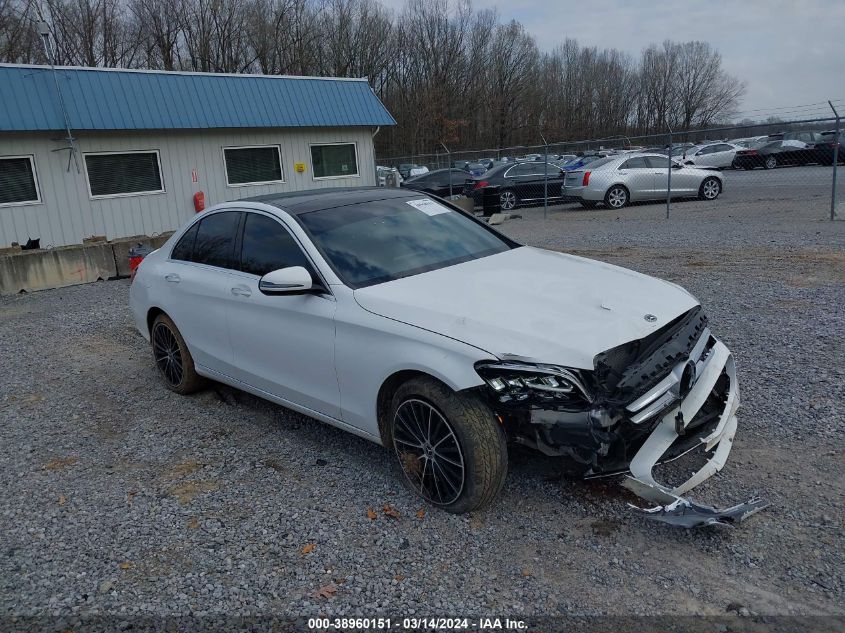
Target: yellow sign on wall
x=299 y=168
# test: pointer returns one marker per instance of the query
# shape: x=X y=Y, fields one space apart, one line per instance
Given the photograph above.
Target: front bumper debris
x=672 y=507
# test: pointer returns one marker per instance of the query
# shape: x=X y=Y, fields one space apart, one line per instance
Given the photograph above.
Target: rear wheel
x=508 y=200
x=449 y=444
x=771 y=162
x=172 y=358
x=616 y=197
x=710 y=189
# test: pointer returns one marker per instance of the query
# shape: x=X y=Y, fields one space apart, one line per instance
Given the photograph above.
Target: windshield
x=374 y=242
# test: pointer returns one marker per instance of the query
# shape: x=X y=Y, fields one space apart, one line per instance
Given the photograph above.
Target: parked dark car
x=806 y=137
x=437 y=182
x=516 y=183
x=825 y=147
x=775 y=154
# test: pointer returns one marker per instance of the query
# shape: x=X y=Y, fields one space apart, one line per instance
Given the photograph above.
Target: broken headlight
x=529 y=383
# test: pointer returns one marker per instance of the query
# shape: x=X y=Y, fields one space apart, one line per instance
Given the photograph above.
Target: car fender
x=371 y=348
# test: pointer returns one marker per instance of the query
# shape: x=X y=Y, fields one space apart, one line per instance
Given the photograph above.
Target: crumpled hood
x=532 y=303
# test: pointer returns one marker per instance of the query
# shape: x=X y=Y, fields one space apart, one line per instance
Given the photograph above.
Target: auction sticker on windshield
x=429 y=207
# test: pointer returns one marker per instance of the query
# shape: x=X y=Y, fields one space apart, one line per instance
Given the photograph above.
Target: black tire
x=508 y=200
x=588 y=204
x=617 y=197
x=481 y=447
x=172 y=357
x=770 y=163
x=710 y=189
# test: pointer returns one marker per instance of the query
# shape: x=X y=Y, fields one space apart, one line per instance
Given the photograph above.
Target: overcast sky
x=789 y=52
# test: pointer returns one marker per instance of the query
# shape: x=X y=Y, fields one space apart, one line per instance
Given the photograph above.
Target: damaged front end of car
x=646 y=402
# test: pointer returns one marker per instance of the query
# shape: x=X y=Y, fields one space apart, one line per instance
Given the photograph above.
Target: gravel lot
x=117 y=496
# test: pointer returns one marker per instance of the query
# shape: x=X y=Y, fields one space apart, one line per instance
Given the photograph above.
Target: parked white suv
x=399 y=318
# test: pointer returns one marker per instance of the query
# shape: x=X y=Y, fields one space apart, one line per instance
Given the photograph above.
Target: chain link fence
x=781 y=165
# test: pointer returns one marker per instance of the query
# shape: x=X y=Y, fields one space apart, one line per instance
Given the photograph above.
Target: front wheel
x=508 y=200
x=450 y=447
x=616 y=197
x=172 y=358
x=710 y=189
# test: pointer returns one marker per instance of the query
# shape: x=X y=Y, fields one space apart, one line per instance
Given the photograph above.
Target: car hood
x=532 y=304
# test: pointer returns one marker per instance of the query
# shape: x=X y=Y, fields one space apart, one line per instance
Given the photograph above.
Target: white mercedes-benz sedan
x=398 y=317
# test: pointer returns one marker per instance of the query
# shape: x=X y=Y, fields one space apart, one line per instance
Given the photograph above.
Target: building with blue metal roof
x=115 y=152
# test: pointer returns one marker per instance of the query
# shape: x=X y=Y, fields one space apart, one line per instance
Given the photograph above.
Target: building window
x=123 y=173
x=18 y=182
x=336 y=160
x=253 y=165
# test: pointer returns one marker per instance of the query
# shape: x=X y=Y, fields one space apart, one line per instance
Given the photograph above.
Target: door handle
x=241 y=291
x=172 y=278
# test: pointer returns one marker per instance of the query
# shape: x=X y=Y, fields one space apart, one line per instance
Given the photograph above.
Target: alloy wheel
x=507 y=200
x=428 y=452
x=617 y=197
x=168 y=357
x=771 y=162
x=711 y=189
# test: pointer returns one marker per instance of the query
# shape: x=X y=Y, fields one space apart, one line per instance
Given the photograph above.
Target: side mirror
x=286 y=281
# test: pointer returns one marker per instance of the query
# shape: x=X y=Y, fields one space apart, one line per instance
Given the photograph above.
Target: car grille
x=626 y=372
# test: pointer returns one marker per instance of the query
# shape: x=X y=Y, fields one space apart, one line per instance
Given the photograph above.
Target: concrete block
x=55 y=268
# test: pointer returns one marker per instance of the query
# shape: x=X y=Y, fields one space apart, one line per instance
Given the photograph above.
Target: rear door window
x=524 y=169
x=215 y=242
x=634 y=163
x=268 y=246
x=184 y=249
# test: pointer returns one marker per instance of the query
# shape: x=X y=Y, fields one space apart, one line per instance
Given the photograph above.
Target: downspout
x=375 y=163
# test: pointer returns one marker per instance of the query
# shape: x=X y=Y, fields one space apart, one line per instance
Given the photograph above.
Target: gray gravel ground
x=117 y=496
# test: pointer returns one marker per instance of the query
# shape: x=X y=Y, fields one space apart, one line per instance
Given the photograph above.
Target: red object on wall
x=199 y=201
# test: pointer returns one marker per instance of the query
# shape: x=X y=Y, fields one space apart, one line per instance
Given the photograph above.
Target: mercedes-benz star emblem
x=688 y=378
x=650 y=318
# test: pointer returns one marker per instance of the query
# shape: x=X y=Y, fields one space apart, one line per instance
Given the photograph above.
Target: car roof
x=298 y=202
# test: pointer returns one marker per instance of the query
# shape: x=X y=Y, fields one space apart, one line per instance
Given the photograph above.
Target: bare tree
x=446 y=72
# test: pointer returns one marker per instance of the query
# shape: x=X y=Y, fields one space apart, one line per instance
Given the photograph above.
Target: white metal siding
x=67 y=214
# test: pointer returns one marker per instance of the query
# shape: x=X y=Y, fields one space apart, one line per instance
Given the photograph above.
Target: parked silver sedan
x=618 y=180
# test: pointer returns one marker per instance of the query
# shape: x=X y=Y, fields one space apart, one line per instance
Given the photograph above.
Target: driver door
x=282 y=344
